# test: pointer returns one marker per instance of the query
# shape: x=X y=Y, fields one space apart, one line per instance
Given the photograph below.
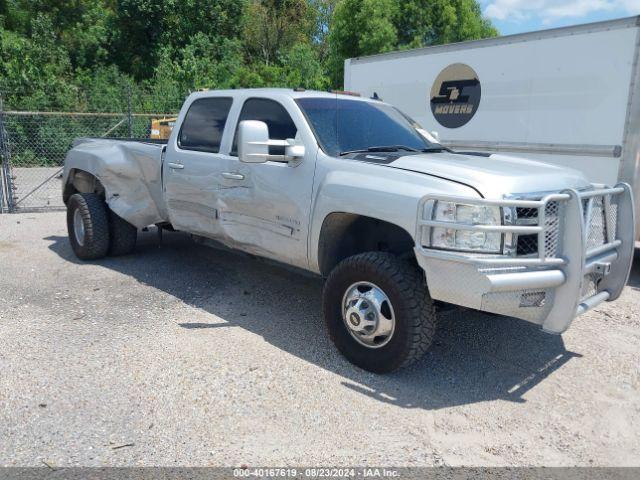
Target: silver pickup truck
x=354 y=190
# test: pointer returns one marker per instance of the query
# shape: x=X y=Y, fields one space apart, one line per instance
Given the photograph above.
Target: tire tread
x=96 y=242
x=123 y=236
x=418 y=307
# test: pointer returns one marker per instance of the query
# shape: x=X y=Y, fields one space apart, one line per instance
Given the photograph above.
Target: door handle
x=176 y=166
x=233 y=176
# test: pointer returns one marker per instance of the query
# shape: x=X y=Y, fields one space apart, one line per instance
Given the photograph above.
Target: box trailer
x=568 y=96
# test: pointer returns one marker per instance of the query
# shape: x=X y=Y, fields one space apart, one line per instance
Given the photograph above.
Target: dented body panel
x=130 y=173
x=260 y=208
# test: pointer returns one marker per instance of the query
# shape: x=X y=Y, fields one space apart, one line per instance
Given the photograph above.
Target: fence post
x=2 y=194
x=129 y=116
x=6 y=181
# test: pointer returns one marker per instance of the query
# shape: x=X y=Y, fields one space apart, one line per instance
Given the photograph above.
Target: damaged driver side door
x=264 y=207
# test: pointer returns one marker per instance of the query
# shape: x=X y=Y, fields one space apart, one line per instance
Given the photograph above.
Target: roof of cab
x=290 y=92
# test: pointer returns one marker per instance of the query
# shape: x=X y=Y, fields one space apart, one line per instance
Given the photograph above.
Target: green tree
x=433 y=22
x=87 y=34
x=273 y=26
x=360 y=27
x=213 y=63
x=301 y=67
x=137 y=32
x=16 y=15
x=364 y=27
x=80 y=26
x=35 y=71
x=214 y=18
x=143 y=29
x=85 y=54
x=104 y=89
x=322 y=14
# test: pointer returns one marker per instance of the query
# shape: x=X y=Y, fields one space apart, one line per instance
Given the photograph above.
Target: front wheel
x=378 y=311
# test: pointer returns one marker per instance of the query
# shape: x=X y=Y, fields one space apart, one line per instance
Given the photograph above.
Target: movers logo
x=455 y=95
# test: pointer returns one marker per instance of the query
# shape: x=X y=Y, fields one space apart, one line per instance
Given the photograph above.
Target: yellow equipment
x=161 y=127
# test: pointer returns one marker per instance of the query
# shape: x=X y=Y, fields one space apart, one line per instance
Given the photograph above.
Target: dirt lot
x=183 y=355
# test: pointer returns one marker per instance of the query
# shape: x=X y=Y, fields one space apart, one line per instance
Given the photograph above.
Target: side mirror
x=254 y=143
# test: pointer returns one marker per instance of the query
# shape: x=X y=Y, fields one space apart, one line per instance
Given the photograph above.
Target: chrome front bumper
x=582 y=257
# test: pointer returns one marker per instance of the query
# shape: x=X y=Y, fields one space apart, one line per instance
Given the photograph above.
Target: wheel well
x=346 y=234
x=80 y=181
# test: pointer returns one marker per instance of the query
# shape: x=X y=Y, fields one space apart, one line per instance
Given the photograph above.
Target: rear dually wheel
x=88 y=225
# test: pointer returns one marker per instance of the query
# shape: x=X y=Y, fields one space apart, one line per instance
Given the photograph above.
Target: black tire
x=93 y=212
x=405 y=287
x=122 y=235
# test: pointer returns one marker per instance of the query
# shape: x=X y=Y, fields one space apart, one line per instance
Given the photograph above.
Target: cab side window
x=204 y=123
x=274 y=115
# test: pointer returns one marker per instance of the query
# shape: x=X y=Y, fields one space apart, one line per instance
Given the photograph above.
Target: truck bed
x=151 y=141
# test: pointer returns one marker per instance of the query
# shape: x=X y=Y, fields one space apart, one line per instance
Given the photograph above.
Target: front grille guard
x=569 y=234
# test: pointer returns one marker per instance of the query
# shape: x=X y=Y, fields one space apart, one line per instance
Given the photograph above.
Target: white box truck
x=567 y=96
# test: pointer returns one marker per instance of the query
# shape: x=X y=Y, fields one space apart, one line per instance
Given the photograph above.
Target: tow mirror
x=254 y=143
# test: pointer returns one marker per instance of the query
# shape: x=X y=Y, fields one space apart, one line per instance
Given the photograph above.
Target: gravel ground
x=184 y=355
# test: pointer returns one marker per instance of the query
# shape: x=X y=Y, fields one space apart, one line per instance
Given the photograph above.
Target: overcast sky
x=515 y=16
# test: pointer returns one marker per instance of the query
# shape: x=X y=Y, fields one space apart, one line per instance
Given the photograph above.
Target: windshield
x=342 y=126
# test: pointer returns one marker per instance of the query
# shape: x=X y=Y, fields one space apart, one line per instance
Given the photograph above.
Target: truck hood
x=494 y=176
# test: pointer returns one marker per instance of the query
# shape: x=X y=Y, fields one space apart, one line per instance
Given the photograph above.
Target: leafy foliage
x=85 y=54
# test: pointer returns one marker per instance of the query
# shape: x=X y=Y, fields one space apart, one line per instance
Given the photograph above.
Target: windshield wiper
x=388 y=148
x=436 y=149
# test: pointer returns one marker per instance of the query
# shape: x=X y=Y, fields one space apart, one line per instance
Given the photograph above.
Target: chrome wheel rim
x=368 y=314
x=78 y=227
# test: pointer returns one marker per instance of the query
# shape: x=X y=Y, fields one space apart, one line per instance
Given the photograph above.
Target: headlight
x=469 y=240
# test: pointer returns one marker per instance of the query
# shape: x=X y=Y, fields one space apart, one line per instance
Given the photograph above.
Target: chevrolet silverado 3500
x=354 y=190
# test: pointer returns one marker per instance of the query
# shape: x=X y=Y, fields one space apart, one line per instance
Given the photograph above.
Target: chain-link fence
x=6 y=185
x=34 y=144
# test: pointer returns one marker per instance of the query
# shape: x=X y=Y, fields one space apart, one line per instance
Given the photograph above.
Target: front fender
x=383 y=193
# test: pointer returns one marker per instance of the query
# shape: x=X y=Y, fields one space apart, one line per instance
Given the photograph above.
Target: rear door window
x=280 y=124
x=204 y=124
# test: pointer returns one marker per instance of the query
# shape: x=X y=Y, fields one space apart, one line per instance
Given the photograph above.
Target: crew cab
x=354 y=190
